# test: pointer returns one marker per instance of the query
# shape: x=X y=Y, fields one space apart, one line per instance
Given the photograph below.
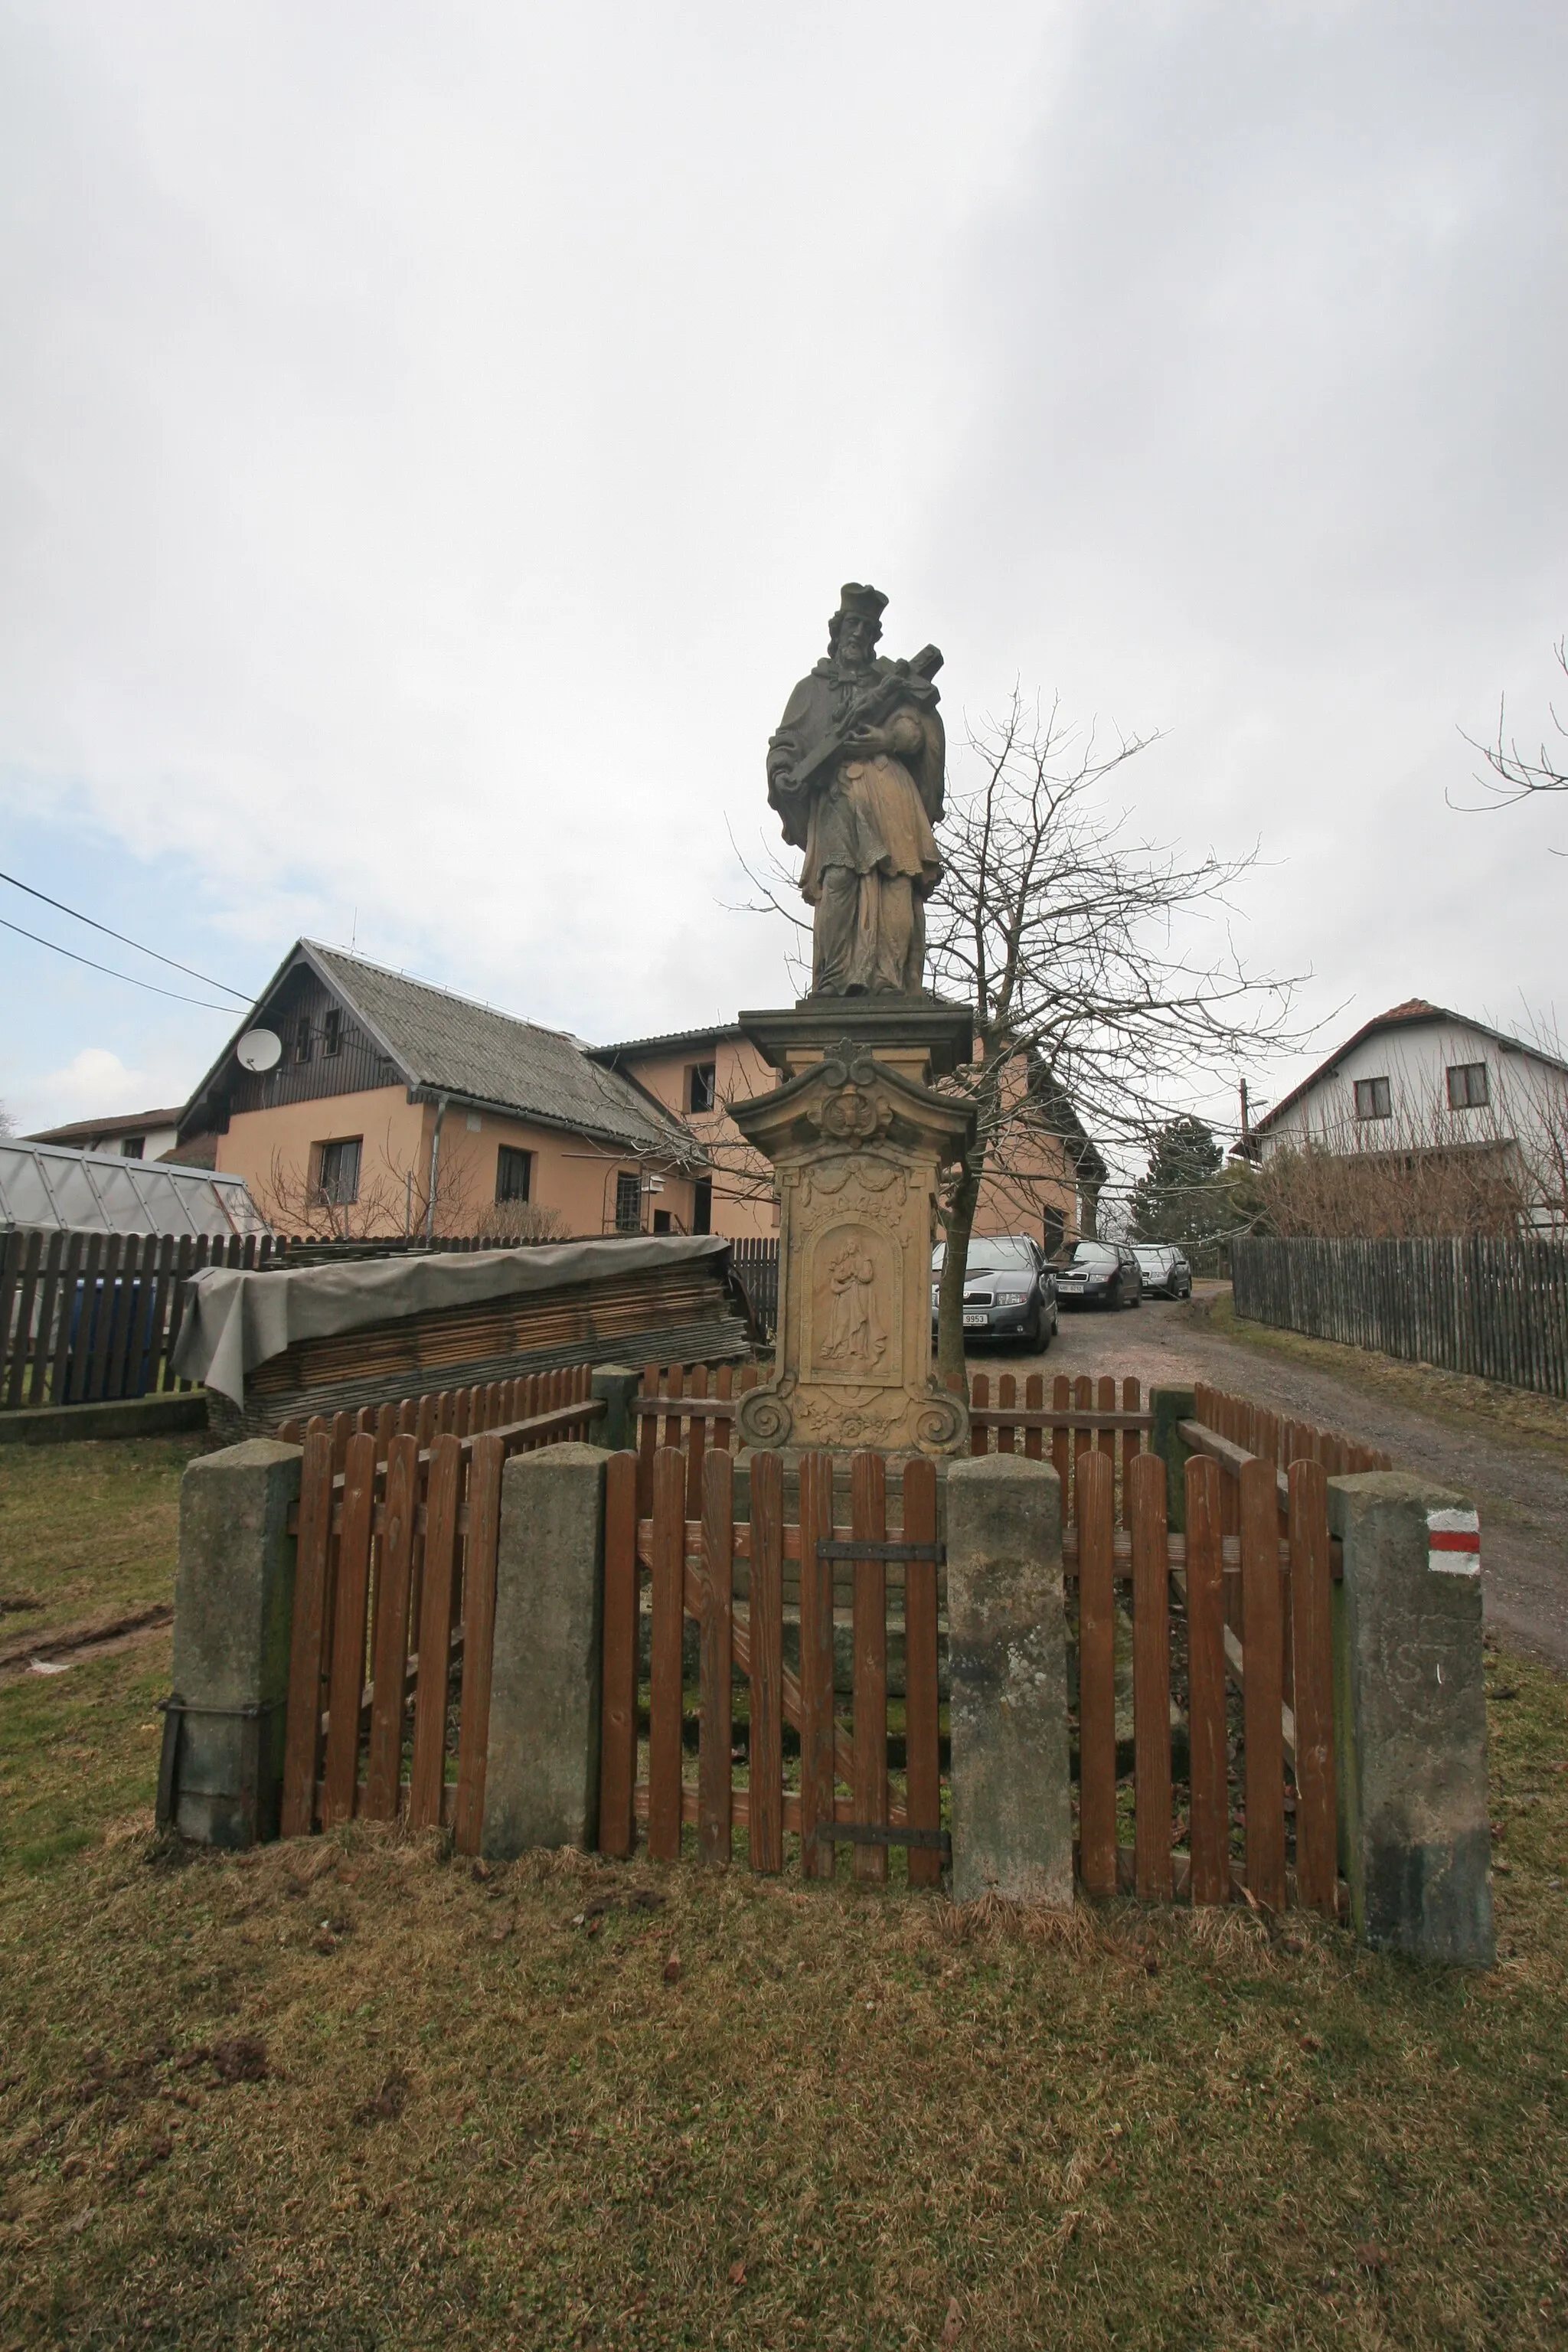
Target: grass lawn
x=1514 y=1415
x=356 y=2092
x=87 y=1530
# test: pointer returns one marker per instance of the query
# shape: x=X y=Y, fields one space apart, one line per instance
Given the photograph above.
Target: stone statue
x=856 y=773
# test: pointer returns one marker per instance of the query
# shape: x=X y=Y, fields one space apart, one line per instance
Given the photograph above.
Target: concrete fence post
x=1012 y=1814
x=233 y=1607
x=1410 y=1722
x=617 y=1384
x=541 y=1769
x=1169 y=1408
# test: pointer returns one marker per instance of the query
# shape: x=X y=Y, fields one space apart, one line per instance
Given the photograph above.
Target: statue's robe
x=871 y=857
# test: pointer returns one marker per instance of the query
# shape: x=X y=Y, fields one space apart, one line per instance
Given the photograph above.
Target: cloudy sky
x=431 y=439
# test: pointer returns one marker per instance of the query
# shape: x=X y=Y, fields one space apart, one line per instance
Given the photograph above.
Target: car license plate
x=975 y=1322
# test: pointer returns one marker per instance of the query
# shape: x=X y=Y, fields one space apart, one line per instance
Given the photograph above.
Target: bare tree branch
x=1514 y=775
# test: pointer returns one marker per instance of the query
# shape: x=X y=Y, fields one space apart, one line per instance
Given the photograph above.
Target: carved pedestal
x=858 y=1141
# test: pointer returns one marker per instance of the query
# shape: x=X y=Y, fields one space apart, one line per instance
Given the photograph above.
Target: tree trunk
x=954 y=1273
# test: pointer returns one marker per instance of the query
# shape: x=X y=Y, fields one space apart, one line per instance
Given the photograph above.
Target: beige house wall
x=571 y=1175
x=744 y=1202
x=1037 y=1175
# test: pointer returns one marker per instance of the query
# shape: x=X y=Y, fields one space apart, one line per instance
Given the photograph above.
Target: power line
x=77 y=916
x=134 y=983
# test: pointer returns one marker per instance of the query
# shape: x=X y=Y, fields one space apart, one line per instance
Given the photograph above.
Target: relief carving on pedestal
x=853 y=1294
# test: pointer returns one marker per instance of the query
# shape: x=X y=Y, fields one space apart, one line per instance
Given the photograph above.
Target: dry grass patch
x=88 y=1531
x=354 y=2091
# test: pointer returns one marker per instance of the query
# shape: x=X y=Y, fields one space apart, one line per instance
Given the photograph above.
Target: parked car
x=1101 y=1274
x=1009 y=1289
x=1164 y=1269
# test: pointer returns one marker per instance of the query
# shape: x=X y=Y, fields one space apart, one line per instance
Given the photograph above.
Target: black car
x=1101 y=1274
x=1009 y=1289
x=1164 y=1268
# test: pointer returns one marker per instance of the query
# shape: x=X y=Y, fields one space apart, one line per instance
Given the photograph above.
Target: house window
x=339 y=1178
x=628 y=1202
x=135 y=1147
x=661 y=1221
x=702 y=1205
x=302 y=1038
x=514 y=1173
x=701 y=1087
x=1372 y=1100
x=1055 y=1231
x=1468 y=1088
x=332 y=1035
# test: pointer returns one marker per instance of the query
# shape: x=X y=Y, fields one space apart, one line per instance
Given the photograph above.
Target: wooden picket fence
x=1280 y=1439
x=397 y=1531
x=89 y=1316
x=701 y=1567
x=1236 y=1603
x=1229 y=1618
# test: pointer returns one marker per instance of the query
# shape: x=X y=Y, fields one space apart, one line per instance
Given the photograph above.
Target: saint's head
x=853 y=631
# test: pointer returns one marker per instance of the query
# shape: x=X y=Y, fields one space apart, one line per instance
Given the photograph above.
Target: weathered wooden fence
x=1496 y=1308
x=1226 y=1782
x=756 y=1263
x=86 y=1316
x=1228 y=1621
x=703 y=1567
x=395 y=1599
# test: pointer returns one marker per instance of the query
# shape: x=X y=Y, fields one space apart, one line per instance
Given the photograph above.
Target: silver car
x=1164 y=1269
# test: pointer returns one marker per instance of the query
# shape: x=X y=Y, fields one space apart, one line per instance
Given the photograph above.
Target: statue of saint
x=856 y=1337
x=856 y=773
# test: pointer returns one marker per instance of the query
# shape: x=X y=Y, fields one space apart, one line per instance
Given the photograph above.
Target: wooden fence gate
x=1224 y=1774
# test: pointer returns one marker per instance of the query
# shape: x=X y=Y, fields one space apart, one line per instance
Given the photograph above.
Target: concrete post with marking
x=1410 y=1720
x=1012 y=1813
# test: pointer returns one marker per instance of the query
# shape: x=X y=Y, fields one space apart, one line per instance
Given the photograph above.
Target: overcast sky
x=431 y=440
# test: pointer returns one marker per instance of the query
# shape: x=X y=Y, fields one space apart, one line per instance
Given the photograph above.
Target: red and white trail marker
x=1454 y=1543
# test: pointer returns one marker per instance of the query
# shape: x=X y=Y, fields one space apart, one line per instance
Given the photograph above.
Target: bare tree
x=7 y=1124
x=1079 y=949
x=1512 y=774
x=391 y=1198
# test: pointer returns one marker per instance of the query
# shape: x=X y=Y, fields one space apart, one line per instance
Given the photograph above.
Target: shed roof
x=44 y=1187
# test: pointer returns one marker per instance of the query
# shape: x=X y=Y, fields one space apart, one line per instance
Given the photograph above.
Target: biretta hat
x=854 y=598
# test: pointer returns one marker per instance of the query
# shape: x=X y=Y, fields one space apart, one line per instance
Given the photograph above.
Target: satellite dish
x=260 y=1049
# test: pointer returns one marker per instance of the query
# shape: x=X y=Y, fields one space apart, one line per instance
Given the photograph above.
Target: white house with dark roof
x=1420 y=1077
x=386 y=1089
x=127 y=1134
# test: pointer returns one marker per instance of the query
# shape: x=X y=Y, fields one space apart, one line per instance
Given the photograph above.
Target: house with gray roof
x=359 y=1101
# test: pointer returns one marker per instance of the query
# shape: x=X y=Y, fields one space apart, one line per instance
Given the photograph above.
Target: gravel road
x=1521 y=1495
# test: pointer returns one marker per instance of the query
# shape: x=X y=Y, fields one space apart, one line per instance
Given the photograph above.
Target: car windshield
x=991 y=1254
x=1094 y=1254
x=1147 y=1253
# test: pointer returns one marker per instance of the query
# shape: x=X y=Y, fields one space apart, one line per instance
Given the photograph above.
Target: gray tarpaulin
x=236 y=1319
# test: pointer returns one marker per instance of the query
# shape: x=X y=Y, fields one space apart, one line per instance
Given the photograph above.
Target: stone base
x=858 y=1141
